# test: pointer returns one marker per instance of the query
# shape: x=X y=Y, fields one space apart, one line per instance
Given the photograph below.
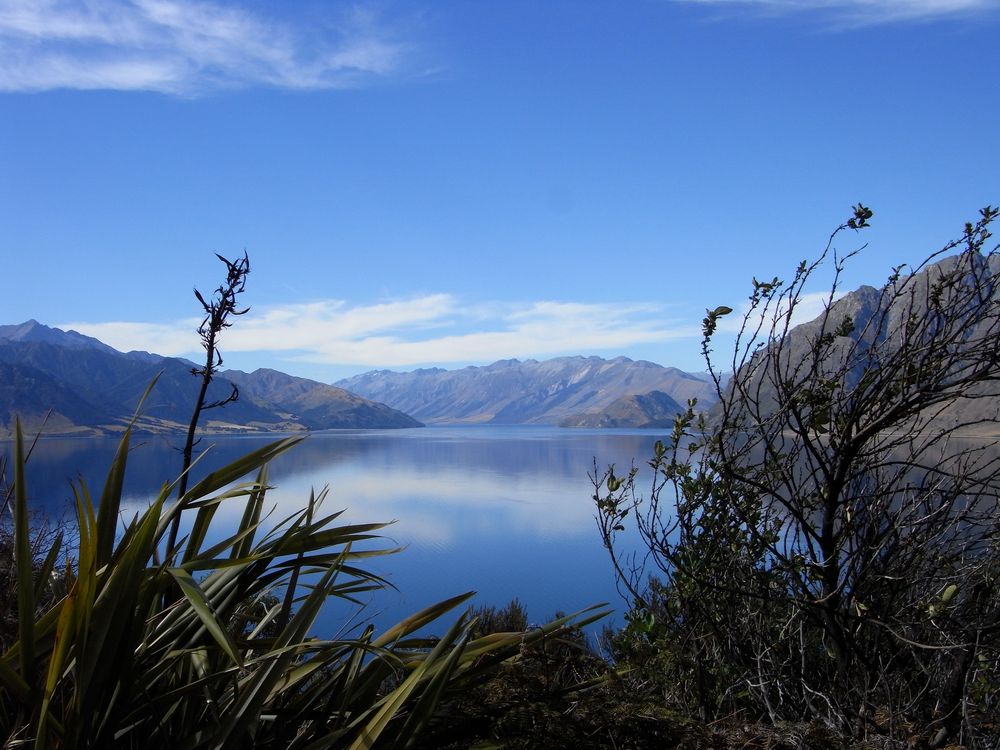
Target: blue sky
x=451 y=183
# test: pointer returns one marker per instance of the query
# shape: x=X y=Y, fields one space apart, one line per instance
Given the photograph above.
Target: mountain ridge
x=513 y=391
x=92 y=388
x=318 y=405
x=878 y=319
x=652 y=410
x=89 y=388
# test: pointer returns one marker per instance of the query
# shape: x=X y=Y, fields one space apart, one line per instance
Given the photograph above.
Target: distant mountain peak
x=512 y=391
x=92 y=388
x=32 y=330
x=18 y=331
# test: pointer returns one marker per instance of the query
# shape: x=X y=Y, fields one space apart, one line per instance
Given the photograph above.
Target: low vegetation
x=824 y=547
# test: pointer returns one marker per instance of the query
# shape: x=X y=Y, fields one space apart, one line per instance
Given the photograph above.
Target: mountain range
x=566 y=390
x=78 y=385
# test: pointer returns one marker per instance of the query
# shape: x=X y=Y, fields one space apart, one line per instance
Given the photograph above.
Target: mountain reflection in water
x=505 y=511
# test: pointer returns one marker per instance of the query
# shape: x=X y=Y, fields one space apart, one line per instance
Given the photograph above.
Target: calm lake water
x=504 y=511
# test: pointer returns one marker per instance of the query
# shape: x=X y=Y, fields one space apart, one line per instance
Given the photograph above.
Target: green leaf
x=450 y=648
x=23 y=561
x=252 y=461
x=110 y=505
x=421 y=618
x=203 y=609
x=251 y=515
x=949 y=593
x=57 y=659
x=48 y=565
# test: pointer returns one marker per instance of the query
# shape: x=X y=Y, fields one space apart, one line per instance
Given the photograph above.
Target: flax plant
x=210 y=643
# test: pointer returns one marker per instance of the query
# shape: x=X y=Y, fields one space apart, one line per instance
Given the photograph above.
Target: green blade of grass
x=111 y=496
x=251 y=516
x=257 y=689
x=421 y=618
x=423 y=711
x=203 y=609
x=47 y=566
x=199 y=529
x=395 y=700
x=110 y=505
x=23 y=561
x=15 y=684
x=57 y=659
x=117 y=605
x=252 y=461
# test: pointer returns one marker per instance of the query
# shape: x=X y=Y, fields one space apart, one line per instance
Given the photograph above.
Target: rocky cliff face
x=878 y=321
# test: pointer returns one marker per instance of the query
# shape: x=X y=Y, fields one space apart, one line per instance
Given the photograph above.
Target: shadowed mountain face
x=35 y=397
x=878 y=323
x=33 y=331
x=316 y=405
x=87 y=387
x=529 y=392
x=647 y=410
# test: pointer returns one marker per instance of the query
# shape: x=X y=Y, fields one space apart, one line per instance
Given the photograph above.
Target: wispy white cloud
x=860 y=12
x=809 y=306
x=437 y=328
x=536 y=504
x=435 y=507
x=186 y=47
x=169 y=339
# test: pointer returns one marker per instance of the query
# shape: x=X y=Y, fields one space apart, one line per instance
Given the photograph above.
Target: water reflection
x=502 y=510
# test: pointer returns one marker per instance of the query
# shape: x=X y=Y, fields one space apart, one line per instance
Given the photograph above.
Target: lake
x=502 y=510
